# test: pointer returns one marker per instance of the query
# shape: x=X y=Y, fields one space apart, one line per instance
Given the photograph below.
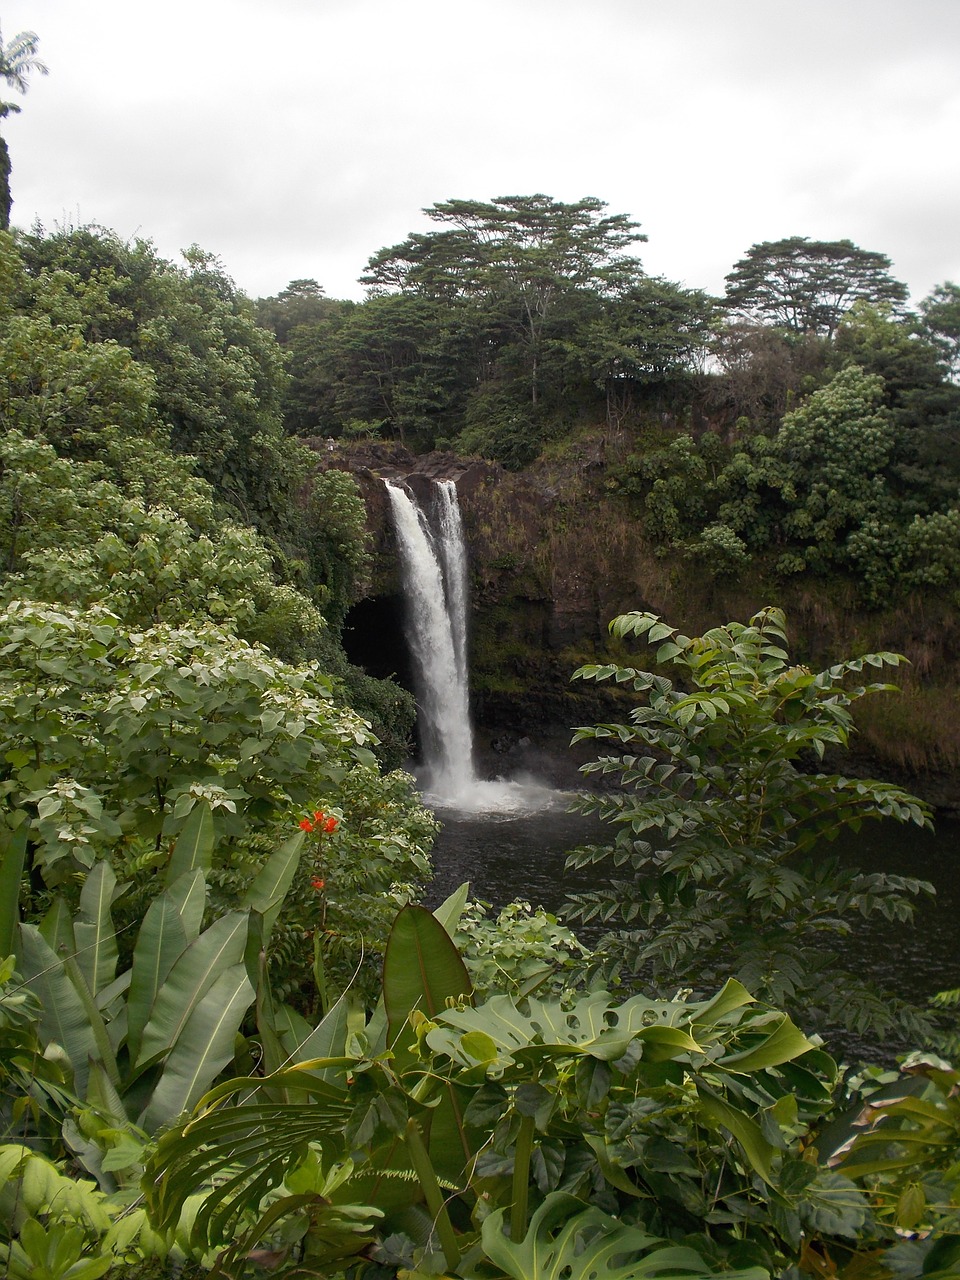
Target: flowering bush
x=370 y=856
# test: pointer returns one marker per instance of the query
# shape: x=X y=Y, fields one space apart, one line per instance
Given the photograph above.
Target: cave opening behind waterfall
x=373 y=639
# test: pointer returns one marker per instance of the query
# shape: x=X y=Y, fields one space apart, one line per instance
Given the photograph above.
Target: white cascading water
x=434 y=564
x=453 y=558
x=434 y=577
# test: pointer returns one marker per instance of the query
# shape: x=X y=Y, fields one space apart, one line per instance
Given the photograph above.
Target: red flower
x=318 y=816
x=317 y=883
x=331 y=824
x=306 y=824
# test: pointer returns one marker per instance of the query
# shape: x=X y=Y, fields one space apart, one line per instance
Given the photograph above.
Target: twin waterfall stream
x=434 y=564
x=433 y=560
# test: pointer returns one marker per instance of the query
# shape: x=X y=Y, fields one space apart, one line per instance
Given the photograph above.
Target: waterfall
x=433 y=561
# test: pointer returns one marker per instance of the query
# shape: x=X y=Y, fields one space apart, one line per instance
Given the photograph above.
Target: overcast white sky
x=294 y=138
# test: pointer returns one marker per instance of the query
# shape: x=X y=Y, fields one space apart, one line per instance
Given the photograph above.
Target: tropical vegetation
x=232 y=1041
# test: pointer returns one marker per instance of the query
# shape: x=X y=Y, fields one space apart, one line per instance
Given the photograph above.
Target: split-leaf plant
x=721 y=860
x=520 y=1137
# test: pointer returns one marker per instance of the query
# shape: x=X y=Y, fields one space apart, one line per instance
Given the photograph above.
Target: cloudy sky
x=294 y=138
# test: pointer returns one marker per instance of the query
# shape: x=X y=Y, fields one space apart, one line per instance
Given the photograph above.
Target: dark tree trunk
x=5 y=199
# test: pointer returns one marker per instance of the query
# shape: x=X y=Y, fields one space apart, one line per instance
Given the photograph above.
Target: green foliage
x=339 y=910
x=496 y=331
x=302 y=302
x=111 y=735
x=496 y=426
x=69 y=534
x=806 y=286
x=519 y=950
x=566 y=1239
x=523 y=255
x=940 y=323
x=145 y=1043
x=216 y=376
x=838 y=489
x=489 y=1134
x=719 y=859
x=674 y=484
x=901 y=1140
x=336 y=540
x=66 y=390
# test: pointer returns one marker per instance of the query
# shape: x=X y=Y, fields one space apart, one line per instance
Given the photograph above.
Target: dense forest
x=807 y=420
x=231 y=1042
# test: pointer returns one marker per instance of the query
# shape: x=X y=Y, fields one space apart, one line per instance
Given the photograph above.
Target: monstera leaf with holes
x=568 y=1241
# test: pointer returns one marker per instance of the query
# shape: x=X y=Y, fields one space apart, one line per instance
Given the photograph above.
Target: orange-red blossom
x=320 y=822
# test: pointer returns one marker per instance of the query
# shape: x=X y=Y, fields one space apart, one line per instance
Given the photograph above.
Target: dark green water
x=510 y=853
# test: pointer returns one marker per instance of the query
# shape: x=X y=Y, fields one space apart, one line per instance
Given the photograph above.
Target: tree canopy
x=807 y=286
x=18 y=58
x=523 y=253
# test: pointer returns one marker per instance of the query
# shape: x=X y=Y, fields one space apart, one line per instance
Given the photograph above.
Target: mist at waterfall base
x=433 y=562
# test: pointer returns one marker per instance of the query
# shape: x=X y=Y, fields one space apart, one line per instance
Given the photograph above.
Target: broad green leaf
x=189 y=892
x=194 y=847
x=327 y=1039
x=105 y=1053
x=422 y=969
x=56 y=928
x=292 y=1029
x=758 y=1151
x=161 y=940
x=243 y=1150
x=784 y=1043
x=194 y=972
x=64 y=1019
x=567 y=1240
x=93 y=929
x=272 y=883
x=102 y=1094
x=202 y=1050
x=14 y=851
x=451 y=909
x=733 y=995
x=593 y=1025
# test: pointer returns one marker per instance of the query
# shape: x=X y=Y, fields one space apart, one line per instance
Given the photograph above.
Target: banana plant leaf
x=422 y=970
x=194 y=847
x=326 y=1040
x=106 y=1053
x=451 y=908
x=195 y=971
x=13 y=853
x=56 y=928
x=93 y=930
x=161 y=941
x=203 y=1047
x=189 y=892
x=270 y=887
x=64 y=1018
